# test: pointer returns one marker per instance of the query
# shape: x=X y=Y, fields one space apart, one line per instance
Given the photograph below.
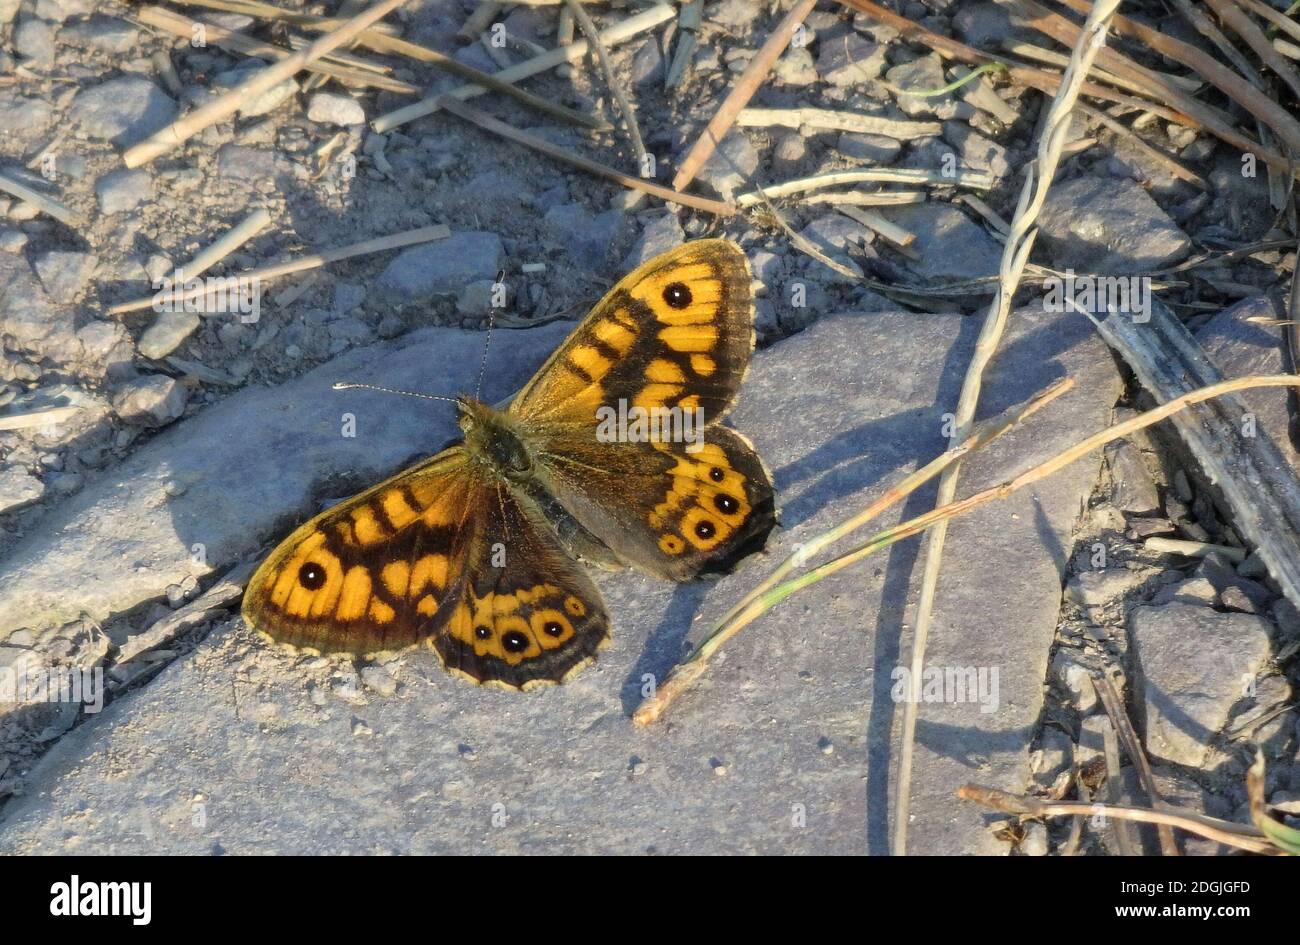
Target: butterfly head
x=491 y=437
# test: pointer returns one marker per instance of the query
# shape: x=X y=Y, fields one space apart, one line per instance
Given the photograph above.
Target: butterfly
x=612 y=455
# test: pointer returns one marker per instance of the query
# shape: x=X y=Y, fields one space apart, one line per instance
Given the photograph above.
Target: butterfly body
x=474 y=551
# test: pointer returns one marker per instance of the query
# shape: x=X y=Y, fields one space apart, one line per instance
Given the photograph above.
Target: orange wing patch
x=706 y=502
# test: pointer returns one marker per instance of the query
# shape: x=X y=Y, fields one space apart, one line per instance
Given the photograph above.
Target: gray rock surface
x=64 y=274
x=300 y=755
x=106 y=33
x=123 y=189
x=332 y=108
x=1092 y=224
x=726 y=171
x=18 y=487
x=442 y=267
x=1240 y=348
x=952 y=246
x=1194 y=664
x=660 y=234
x=849 y=60
x=34 y=41
x=262 y=103
x=123 y=110
x=151 y=401
x=167 y=332
x=1135 y=491
x=974 y=151
x=869 y=148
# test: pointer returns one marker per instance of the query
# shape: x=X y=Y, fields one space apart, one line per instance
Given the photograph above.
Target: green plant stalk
x=951 y=86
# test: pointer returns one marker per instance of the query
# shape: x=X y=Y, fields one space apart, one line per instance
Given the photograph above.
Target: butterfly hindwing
x=520 y=612
x=668 y=508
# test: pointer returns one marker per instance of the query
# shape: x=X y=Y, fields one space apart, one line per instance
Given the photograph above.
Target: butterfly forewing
x=676 y=332
x=369 y=573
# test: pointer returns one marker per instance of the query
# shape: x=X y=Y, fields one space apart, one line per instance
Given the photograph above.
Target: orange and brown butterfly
x=474 y=551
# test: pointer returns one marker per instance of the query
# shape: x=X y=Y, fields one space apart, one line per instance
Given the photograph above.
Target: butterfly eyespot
x=311 y=576
x=514 y=642
x=671 y=545
x=725 y=503
x=553 y=628
x=705 y=530
x=575 y=606
x=677 y=295
x=716 y=474
x=482 y=632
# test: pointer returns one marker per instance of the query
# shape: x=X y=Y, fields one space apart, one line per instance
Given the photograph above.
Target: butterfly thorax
x=492 y=439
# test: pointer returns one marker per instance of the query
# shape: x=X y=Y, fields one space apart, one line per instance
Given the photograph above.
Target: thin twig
x=1050 y=82
x=1108 y=691
x=378 y=38
x=37 y=418
x=223 y=106
x=1240 y=22
x=1173 y=166
x=979 y=180
x=836 y=121
x=611 y=81
x=488 y=123
x=313 y=261
x=219 y=36
x=740 y=94
x=1284 y=125
x=618 y=33
x=235 y=237
x=39 y=200
x=1222 y=831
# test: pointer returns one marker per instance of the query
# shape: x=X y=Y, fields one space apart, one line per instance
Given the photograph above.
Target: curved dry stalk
x=765 y=598
x=1221 y=831
x=1020 y=241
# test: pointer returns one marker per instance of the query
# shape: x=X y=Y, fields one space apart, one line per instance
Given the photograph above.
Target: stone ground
x=176 y=467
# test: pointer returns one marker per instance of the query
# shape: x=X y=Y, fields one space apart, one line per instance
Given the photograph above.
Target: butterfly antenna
x=341 y=385
x=487 y=342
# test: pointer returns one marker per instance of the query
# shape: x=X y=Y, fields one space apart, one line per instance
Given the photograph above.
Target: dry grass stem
x=611 y=81
x=838 y=121
x=498 y=127
x=618 y=33
x=313 y=261
x=1223 y=831
x=740 y=94
x=40 y=201
x=1020 y=242
x=222 y=107
x=979 y=180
